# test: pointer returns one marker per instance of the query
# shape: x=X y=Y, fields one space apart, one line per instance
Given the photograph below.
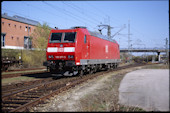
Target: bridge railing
x=143 y=50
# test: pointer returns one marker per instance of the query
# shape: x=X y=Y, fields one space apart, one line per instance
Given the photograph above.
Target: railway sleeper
x=14 y=102
x=7 y=109
x=34 y=93
x=10 y=105
x=32 y=96
x=25 y=96
x=21 y=99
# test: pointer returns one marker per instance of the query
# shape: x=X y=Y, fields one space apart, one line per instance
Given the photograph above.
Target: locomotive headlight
x=70 y=56
x=50 y=56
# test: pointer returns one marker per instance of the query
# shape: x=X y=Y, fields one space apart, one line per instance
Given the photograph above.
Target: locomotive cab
x=60 y=51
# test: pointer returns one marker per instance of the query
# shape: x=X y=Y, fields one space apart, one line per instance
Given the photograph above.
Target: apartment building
x=16 y=31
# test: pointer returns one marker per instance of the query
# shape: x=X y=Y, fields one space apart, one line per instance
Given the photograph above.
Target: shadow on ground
x=39 y=75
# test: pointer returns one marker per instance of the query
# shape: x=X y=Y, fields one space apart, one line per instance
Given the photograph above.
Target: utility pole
x=167 y=55
x=129 y=40
x=108 y=29
x=128 y=35
x=117 y=33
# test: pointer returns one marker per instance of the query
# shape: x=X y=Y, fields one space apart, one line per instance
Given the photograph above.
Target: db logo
x=61 y=50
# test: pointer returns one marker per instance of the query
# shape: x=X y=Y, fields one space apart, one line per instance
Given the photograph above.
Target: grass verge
x=107 y=97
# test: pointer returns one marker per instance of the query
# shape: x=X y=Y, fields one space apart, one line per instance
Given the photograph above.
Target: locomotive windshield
x=56 y=37
x=63 y=37
x=69 y=37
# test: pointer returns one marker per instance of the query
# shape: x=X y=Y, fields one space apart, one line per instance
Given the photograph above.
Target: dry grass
x=157 y=66
x=106 y=98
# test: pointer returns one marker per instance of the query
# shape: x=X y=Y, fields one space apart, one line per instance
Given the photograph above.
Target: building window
x=29 y=28
x=12 y=37
x=25 y=28
x=2 y=40
x=27 y=42
x=15 y=25
x=9 y=24
x=2 y=23
x=20 y=27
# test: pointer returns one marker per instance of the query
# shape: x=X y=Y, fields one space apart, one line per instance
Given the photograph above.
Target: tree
x=35 y=58
x=40 y=36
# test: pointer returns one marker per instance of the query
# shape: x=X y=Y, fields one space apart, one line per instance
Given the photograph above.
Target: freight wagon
x=80 y=50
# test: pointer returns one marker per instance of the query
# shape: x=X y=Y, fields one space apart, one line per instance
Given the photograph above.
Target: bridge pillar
x=159 y=57
x=153 y=58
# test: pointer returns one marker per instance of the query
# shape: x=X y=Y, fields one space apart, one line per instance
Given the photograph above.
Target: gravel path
x=69 y=101
x=146 y=88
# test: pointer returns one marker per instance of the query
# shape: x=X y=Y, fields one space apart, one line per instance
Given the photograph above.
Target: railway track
x=7 y=89
x=23 y=99
x=24 y=69
x=16 y=73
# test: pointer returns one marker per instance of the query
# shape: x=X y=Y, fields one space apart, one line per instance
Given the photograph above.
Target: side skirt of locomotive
x=68 y=68
x=94 y=65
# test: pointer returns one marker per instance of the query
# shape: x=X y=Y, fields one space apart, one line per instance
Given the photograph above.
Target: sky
x=147 y=21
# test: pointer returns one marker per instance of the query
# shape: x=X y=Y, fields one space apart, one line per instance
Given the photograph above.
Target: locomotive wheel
x=105 y=67
x=116 y=65
x=91 y=71
x=81 y=72
x=111 y=66
x=95 y=68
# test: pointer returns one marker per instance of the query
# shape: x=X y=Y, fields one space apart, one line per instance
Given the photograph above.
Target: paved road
x=146 y=88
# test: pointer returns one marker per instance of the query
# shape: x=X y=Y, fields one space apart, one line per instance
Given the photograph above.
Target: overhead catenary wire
x=66 y=12
x=92 y=22
x=90 y=13
x=53 y=14
x=48 y=12
x=43 y=21
x=101 y=12
x=78 y=10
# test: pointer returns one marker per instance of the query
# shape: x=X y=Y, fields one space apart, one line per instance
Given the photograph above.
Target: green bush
x=33 y=58
x=30 y=58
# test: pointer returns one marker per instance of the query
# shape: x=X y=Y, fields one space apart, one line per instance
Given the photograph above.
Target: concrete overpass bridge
x=157 y=50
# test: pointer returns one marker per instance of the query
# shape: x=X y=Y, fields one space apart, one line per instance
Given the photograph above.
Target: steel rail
x=59 y=87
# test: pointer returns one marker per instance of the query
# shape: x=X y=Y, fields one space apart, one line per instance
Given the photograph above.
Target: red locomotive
x=80 y=50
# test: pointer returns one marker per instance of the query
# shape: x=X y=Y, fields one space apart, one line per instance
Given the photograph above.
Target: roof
x=96 y=34
x=20 y=19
